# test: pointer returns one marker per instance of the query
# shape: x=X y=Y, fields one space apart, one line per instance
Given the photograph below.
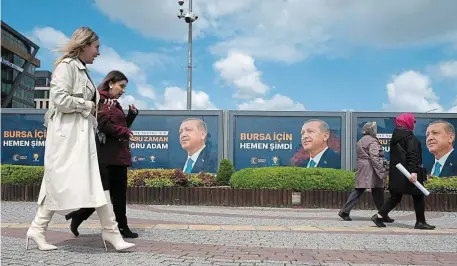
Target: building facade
x=16 y=51
x=42 y=87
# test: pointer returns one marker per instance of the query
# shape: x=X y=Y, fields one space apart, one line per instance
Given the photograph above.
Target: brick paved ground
x=197 y=235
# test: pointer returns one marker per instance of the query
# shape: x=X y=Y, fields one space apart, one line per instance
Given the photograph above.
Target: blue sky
x=264 y=55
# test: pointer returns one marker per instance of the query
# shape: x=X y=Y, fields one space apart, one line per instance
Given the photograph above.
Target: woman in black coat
x=405 y=148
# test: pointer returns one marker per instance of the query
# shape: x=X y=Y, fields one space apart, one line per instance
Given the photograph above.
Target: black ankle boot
x=387 y=219
x=77 y=218
x=423 y=226
x=75 y=222
x=378 y=221
x=126 y=233
x=344 y=216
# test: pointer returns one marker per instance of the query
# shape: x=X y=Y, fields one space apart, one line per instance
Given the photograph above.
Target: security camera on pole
x=189 y=18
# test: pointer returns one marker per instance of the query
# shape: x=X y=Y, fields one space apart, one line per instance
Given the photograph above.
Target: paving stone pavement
x=203 y=235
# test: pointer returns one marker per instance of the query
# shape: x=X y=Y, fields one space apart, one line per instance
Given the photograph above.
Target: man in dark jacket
x=405 y=148
x=440 y=142
x=314 y=137
x=193 y=135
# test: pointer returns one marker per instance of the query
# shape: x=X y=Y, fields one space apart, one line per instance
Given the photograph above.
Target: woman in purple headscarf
x=405 y=148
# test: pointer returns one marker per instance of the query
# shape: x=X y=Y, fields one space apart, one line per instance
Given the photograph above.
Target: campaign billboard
x=23 y=138
x=438 y=146
x=162 y=139
x=165 y=139
x=302 y=139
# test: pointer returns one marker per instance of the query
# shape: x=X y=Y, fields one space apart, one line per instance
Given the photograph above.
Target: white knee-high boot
x=108 y=222
x=38 y=228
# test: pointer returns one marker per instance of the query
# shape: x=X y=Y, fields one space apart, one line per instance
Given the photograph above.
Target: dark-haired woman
x=113 y=151
x=405 y=148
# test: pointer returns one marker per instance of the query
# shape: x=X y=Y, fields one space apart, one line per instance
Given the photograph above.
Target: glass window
x=42 y=94
x=31 y=69
x=4 y=73
x=39 y=94
x=15 y=73
x=7 y=55
x=19 y=61
x=8 y=88
x=7 y=74
x=40 y=82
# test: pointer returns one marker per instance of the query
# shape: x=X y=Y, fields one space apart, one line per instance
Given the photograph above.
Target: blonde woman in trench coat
x=71 y=177
x=371 y=171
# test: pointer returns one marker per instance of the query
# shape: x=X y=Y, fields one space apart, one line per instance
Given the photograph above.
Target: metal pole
x=189 y=66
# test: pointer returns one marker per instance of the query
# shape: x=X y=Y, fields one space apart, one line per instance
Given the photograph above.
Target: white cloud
x=291 y=30
x=109 y=60
x=449 y=69
x=453 y=109
x=50 y=38
x=151 y=18
x=238 y=69
x=152 y=59
x=411 y=91
x=126 y=100
x=277 y=103
x=146 y=91
x=175 y=98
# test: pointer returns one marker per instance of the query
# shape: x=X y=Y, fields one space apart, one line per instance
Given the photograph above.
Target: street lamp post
x=189 y=18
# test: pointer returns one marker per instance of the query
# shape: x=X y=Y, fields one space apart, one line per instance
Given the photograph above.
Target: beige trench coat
x=71 y=178
x=371 y=170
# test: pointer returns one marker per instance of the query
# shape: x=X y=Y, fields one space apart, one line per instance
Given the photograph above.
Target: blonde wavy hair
x=82 y=37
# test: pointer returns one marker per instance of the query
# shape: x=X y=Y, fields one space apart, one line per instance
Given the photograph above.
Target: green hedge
x=295 y=178
x=23 y=175
x=225 y=172
x=442 y=185
x=29 y=175
x=299 y=179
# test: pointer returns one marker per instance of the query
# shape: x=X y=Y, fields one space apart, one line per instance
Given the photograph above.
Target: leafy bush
x=138 y=177
x=442 y=185
x=296 y=178
x=447 y=185
x=18 y=174
x=225 y=172
x=195 y=181
x=21 y=174
x=179 y=178
x=159 y=182
x=207 y=180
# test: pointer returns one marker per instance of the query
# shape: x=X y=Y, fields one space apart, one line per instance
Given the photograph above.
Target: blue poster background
x=387 y=125
x=21 y=142
x=252 y=156
x=174 y=156
x=23 y=139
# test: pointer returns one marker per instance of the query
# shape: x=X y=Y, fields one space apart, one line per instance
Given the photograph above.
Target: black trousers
x=377 y=193
x=392 y=202
x=114 y=179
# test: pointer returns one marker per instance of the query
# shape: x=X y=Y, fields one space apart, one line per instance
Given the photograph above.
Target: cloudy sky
x=319 y=55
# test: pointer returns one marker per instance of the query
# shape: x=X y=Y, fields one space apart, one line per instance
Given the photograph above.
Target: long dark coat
x=405 y=148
